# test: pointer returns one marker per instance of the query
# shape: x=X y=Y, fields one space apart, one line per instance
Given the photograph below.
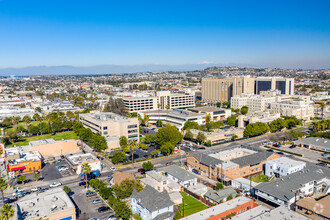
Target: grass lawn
x=260 y=178
x=56 y=137
x=191 y=205
x=23 y=124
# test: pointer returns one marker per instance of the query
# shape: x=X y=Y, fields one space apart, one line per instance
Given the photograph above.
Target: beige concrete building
x=76 y=161
x=221 y=90
x=264 y=117
x=162 y=100
x=219 y=135
x=110 y=124
x=255 y=103
x=50 y=147
x=216 y=114
x=313 y=209
x=54 y=204
x=296 y=108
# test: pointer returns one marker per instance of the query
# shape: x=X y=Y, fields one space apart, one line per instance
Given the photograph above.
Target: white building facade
x=283 y=166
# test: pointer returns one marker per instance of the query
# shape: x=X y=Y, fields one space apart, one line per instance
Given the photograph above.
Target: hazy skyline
x=283 y=34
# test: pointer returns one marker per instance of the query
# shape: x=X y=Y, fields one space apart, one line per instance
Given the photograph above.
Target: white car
x=55 y=184
x=113 y=168
x=63 y=168
x=35 y=189
x=95 y=201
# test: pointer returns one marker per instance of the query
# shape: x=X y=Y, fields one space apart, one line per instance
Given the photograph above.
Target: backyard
x=56 y=137
x=260 y=178
x=191 y=205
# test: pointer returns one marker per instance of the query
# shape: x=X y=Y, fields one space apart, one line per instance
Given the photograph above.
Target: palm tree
x=85 y=170
x=133 y=145
x=3 y=187
x=27 y=120
x=7 y=211
x=15 y=121
x=146 y=119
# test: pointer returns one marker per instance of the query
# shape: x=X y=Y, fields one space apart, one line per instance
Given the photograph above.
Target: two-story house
x=180 y=176
x=151 y=204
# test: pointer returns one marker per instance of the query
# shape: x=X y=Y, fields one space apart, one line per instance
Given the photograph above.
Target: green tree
x=66 y=189
x=234 y=137
x=218 y=104
x=122 y=210
x=118 y=157
x=190 y=125
x=188 y=135
x=37 y=176
x=85 y=170
x=244 y=110
x=143 y=146
x=7 y=212
x=57 y=126
x=21 y=178
x=218 y=186
x=231 y=120
x=34 y=129
x=201 y=137
x=255 y=129
x=125 y=189
x=229 y=197
x=27 y=120
x=277 y=124
x=169 y=133
x=147 y=166
x=123 y=141
x=154 y=152
x=167 y=148
x=159 y=123
x=3 y=187
x=208 y=126
x=208 y=143
x=150 y=138
x=226 y=104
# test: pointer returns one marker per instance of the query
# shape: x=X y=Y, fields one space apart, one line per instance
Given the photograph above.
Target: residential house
x=218 y=196
x=313 y=209
x=180 y=176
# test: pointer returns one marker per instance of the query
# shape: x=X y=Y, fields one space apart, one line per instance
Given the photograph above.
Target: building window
x=299 y=208
x=105 y=128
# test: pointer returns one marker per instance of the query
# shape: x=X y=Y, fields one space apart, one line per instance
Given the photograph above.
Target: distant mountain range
x=99 y=69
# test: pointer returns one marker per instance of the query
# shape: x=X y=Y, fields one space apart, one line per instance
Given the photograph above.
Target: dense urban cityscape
x=164 y=110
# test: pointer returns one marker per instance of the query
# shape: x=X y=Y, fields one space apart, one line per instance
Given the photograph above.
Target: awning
x=17 y=168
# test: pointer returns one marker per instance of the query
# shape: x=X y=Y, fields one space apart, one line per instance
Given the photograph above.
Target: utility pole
x=183 y=208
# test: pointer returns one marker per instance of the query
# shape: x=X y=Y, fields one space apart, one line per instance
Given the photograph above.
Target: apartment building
x=313 y=209
x=296 y=108
x=284 y=85
x=229 y=162
x=175 y=117
x=221 y=90
x=162 y=100
x=283 y=166
x=111 y=124
x=53 y=204
x=216 y=114
x=288 y=189
x=255 y=103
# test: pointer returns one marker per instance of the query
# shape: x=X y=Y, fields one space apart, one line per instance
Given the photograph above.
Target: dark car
x=280 y=153
x=324 y=154
x=195 y=171
x=82 y=183
x=103 y=209
x=140 y=170
x=276 y=145
x=201 y=148
x=88 y=194
x=143 y=172
x=292 y=146
x=270 y=150
x=322 y=164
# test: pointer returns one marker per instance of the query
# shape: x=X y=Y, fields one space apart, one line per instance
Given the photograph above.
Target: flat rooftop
x=286 y=162
x=178 y=112
x=218 y=209
x=42 y=142
x=42 y=205
x=206 y=109
x=105 y=117
x=81 y=158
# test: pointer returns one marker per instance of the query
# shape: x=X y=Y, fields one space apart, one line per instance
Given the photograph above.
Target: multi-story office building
x=216 y=114
x=255 y=103
x=284 y=85
x=110 y=124
x=175 y=117
x=296 y=108
x=221 y=90
x=229 y=162
x=162 y=100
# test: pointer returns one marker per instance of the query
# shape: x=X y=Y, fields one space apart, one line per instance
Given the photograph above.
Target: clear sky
x=232 y=32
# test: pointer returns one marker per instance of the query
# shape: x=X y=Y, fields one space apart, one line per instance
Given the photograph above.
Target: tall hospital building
x=222 y=89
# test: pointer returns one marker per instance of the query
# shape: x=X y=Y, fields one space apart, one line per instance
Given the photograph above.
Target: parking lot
x=53 y=171
x=86 y=208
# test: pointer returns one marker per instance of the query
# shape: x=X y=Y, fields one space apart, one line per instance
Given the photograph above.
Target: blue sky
x=293 y=34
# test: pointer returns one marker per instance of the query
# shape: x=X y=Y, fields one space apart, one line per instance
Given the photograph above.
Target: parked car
x=292 y=146
x=140 y=170
x=103 y=208
x=291 y=156
x=195 y=171
x=93 y=219
x=112 y=217
x=55 y=184
x=62 y=156
x=95 y=201
x=322 y=164
x=35 y=189
x=324 y=154
x=270 y=150
x=113 y=169
x=276 y=145
x=62 y=168
x=59 y=160
x=82 y=183
x=143 y=172
x=90 y=193
x=280 y=153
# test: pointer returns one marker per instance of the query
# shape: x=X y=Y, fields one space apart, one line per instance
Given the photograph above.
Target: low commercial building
x=264 y=117
x=313 y=209
x=61 y=106
x=288 y=189
x=22 y=162
x=229 y=162
x=76 y=161
x=7 y=112
x=222 y=211
x=216 y=114
x=175 y=117
x=180 y=175
x=220 y=135
x=111 y=124
x=150 y=204
x=314 y=143
x=161 y=101
x=51 y=148
x=54 y=204
x=283 y=166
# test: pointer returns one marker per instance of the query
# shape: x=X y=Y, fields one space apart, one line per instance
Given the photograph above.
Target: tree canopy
x=255 y=129
x=169 y=133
